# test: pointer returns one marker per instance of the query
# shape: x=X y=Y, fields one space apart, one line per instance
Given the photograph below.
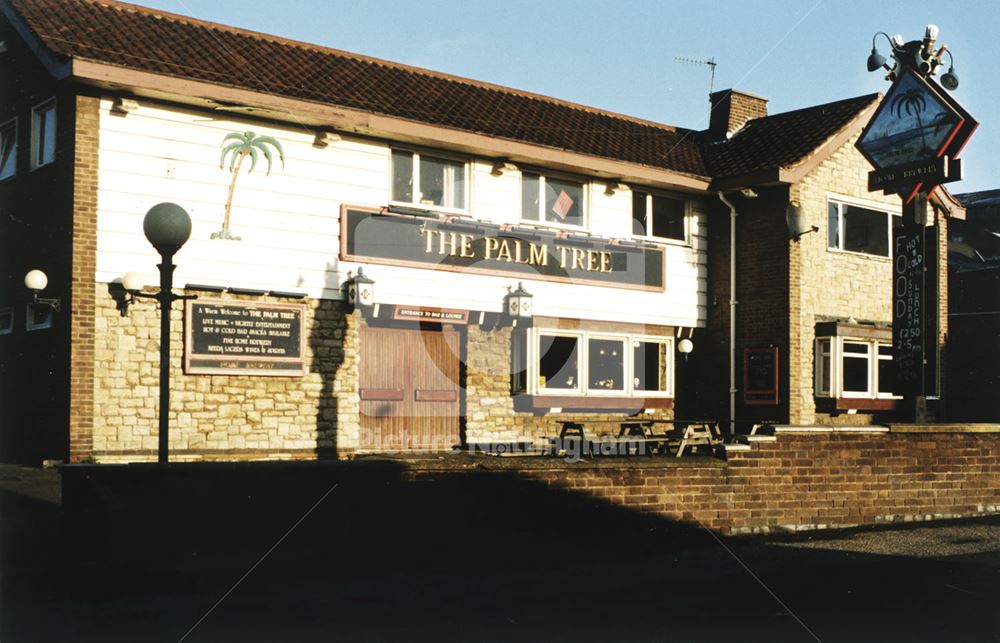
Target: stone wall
x=224 y=417
x=833 y=284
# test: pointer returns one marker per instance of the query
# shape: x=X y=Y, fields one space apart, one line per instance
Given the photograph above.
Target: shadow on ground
x=358 y=552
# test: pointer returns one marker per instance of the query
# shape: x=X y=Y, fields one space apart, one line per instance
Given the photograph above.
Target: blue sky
x=622 y=56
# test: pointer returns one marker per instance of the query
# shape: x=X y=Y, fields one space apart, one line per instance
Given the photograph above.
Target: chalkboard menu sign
x=760 y=375
x=908 y=308
x=236 y=338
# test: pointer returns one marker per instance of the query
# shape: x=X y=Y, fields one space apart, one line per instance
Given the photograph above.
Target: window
x=6 y=321
x=848 y=367
x=43 y=134
x=856 y=229
x=421 y=179
x=658 y=217
x=582 y=363
x=551 y=200
x=8 y=149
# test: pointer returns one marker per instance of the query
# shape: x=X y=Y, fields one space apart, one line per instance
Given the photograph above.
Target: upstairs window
x=658 y=217
x=854 y=228
x=8 y=149
x=425 y=180
x=43 y=134
x=552 y=200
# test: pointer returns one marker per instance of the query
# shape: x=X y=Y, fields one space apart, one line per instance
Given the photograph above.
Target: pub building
x=390 y=259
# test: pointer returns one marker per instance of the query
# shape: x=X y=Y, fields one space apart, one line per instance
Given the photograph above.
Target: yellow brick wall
x=833 y=284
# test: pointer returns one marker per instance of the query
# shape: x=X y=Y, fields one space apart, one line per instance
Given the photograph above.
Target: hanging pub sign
x=913 y=141
x=479 y=247
x=226 y=337
x=914 y=137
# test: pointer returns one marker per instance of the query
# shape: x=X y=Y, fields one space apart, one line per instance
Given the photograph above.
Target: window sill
x=525 y=402
x=863 y=255
x=831 y=404
x=661 y=241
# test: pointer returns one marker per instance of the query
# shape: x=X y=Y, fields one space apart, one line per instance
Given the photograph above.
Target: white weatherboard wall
x=290 y=228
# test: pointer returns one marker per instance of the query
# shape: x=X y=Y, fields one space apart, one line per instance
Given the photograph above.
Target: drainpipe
x=732 y=313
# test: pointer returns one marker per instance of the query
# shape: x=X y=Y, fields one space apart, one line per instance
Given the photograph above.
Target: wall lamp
x=615 y=186
x=917 y=55
x=501 y=167
x=518 y=304
x=360 y=290
x=323 y=139
x=36 y=281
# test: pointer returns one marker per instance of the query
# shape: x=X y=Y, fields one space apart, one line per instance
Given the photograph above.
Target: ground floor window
x=851 y=367
x=586 y=363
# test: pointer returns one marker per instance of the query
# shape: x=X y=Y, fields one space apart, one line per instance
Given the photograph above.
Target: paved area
x=459 y=564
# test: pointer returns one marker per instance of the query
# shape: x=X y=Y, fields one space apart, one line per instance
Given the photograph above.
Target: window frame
x=531 y=360
x=650 y=195
x=836 y=365
x=841 y=203
x=14 y=127
x=6 y=320
x=417 y=153
x=542 y=221
x=37 y=147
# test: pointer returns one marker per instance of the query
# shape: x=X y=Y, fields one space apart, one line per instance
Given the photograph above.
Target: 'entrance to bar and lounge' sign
x=224 y=337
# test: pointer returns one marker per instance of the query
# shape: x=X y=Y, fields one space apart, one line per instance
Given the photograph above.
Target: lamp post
x=167 y=227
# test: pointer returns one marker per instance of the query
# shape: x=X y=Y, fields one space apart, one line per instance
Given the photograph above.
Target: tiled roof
x=782 y=140
x=142 y=39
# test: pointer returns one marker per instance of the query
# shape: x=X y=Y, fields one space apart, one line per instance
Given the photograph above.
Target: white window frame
x=37 y=114
x=836 y=365
x=626 y=365
x=582 y=388
x=841 y=203
x=415 y=185
x=542 y=221
x=12 y=123
x=650 y=195
x=534 y=362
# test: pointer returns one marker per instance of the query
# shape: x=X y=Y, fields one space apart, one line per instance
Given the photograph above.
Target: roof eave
x=56 y=66
x=205 y=94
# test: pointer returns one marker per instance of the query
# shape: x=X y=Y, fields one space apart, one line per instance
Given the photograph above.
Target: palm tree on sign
x=912 y=101
x=243 y=145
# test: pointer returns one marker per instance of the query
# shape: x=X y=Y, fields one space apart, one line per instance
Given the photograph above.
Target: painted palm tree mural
x=237 y=146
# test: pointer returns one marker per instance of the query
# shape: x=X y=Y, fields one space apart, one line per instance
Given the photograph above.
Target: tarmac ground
x=464 y=561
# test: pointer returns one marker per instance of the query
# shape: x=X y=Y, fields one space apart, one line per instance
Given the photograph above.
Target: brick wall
x=802 y=481
x=83 y=270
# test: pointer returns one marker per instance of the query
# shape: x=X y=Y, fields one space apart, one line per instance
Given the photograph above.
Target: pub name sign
x=467 y=246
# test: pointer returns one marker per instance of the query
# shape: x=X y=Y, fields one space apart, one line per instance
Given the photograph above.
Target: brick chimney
x=731 y=109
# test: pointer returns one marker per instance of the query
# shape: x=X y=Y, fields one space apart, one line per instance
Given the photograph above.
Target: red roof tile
x=782 y=140
x=152 y=41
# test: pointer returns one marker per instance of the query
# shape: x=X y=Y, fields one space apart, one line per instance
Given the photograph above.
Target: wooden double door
x=411 y=398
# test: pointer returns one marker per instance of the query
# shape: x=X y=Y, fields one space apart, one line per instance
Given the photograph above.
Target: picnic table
x=685 y=434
